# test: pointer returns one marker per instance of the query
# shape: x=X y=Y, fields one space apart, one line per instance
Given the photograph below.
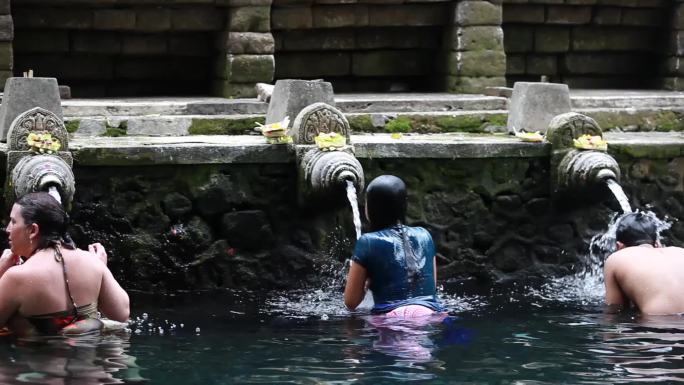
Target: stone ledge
x=652 y=145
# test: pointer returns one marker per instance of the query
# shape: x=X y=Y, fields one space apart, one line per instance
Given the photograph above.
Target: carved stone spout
x=326 y=171
x=324 y=174
x=573 y=169
x=38 y=156
x=40 y=172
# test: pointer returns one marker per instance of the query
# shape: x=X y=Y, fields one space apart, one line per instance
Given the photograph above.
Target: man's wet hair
x=636 y=229
x=386 y=202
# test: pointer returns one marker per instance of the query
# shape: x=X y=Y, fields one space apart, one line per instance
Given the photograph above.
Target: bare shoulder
x=86 y=258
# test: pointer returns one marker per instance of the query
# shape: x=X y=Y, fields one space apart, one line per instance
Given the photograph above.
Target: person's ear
x=620 y=245
x=33 y=231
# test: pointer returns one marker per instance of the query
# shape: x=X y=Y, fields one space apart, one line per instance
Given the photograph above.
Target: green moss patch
x=72 y=125
x=664 y=120
x=224 y=126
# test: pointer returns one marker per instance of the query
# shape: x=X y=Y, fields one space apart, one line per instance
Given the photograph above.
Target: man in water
x=642 y=272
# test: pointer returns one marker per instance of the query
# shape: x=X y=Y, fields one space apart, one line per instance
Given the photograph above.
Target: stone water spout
x=324 y=173
x=577 y=170
x=38 y=156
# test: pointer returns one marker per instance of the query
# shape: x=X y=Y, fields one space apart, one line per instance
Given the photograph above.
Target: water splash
x=586 y=287
x=353 y=201
x=52 y=190
x=620 y=196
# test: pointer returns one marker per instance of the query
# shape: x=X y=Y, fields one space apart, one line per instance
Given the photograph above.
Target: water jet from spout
x=620 y=196
x=353 y=201
x=54 y=192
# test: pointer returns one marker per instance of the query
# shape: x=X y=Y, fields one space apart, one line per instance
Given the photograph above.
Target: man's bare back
x=652 y=278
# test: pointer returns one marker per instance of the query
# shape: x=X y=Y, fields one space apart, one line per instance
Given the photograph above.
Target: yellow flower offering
x=330 y=141
x=43 y=142
x=589 y=142
x=273 y=130
x=529 y=136
x=396 y=135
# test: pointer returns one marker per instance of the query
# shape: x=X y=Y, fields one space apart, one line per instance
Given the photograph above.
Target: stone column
x=6 y=38
x=245 y=49
x=476 y=58
x=674 y=67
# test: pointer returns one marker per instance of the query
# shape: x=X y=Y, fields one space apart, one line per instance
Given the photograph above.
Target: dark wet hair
x=636 y=229
x=44 y=210
x=386 y=202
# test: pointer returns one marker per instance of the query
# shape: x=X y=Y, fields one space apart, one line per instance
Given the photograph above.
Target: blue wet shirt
x=386 y=255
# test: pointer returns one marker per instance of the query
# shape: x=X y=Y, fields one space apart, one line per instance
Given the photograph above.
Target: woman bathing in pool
x=58 y=288
x=397 y=260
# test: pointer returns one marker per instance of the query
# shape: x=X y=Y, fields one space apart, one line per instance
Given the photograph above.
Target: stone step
x=627 y=99
x=220 y=149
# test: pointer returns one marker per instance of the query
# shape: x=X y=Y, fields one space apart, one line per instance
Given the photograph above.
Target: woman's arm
x=355 y=289
x=113 y=301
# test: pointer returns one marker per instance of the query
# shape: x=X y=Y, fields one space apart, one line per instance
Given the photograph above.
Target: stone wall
x=238 y=226
x=674 y=62
x=589 y=44
x=395 y=45
x=180 y=47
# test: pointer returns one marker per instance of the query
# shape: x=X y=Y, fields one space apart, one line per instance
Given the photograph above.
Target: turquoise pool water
x=508 y=335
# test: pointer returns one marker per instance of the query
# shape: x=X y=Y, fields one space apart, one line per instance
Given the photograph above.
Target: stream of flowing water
x=616 y=189
x=353 y=201
x=52 y=190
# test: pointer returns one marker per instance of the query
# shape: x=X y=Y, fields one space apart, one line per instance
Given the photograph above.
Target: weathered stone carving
x=37 y=173
x=37 y=120
x=319 y=118
x=564 y=128
x=326 y=170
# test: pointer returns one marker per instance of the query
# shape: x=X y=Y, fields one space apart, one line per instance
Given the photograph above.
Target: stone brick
x=643 y=17
x=542 y=65
x=551 y=39
x=249 y=19
x=146 y=68
x=4 y=75
x=62 y=18
x=602 y=63
x=581 y=2
x=101 y=43
x=4 y=10
x=144 y=45
x=391 y=63
x=153 y=20
x=613 y=39
x=246 y=42
x=242 y=3
x=396 y=37
x=607 y=16
x=334 y=16
x=408 y=15
x=292 y=18
x=558 y=14
x=113 y=19
x=477 y=13
x=331 y=39
x=6 y=56
x=515 y=65
x=477 y=63
x=477 y=38
x=674 y=84
x=246 y=68
x=197 y=19
x=227 y=89
x=677 y=43
x=6 y=28
x=309 y=64
x=189 y=46
x=518 y=38
x=524 y=14
x=674 y=66
x=472 y=85
x=34 y=41
x=678 y=17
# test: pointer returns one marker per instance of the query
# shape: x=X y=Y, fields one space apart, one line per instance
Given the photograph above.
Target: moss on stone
x=361 y=123
x=663 y=120
x=400 y=124
x=72 y=125
x=223 y=126
x=114 y=131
